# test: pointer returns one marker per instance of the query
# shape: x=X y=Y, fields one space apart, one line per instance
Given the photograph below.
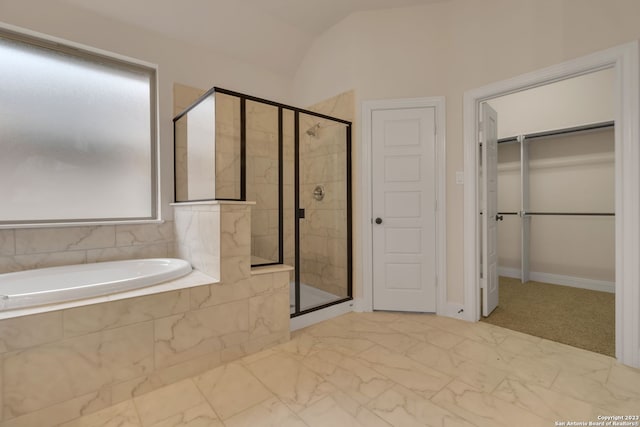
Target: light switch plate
x=459 y=177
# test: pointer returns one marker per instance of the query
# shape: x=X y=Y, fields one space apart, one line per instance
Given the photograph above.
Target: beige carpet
x=577 y=317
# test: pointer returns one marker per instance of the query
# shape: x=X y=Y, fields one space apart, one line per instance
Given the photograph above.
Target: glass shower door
x=323 y=258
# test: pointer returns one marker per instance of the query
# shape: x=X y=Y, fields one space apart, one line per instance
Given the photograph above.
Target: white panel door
x=404 y=203
x=489 y=141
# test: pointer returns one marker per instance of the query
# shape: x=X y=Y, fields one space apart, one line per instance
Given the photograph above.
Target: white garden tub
x=67 y=283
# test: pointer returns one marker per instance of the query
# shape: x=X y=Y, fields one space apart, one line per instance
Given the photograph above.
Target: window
x=77 y=135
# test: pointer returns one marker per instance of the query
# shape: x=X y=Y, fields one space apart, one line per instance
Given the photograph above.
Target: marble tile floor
x=392 y=369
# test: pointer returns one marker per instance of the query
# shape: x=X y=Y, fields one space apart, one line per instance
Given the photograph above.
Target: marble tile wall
x=227 y=140
x=262 y=161
x=59 y=365
x=180 y=141
x=261 y=296
x=227 y=147
x=197 y=229
x=288 y=189
x=29 y=248
x=183 y=96
x=262 y=179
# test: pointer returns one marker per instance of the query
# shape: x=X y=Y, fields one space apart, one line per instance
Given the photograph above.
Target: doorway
x=624 y=61
x=403 y=202
x=555 y=219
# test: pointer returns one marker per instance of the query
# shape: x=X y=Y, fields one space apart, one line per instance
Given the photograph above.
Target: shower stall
x=295 y=165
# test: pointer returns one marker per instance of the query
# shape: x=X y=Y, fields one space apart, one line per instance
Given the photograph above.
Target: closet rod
x=561 y=213
x=584 y=128
x=572 y=213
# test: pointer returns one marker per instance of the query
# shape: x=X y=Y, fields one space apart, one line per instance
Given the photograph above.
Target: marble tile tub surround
x=29 y=248
x=60 y=365
x=392 y=369
x=215 y=236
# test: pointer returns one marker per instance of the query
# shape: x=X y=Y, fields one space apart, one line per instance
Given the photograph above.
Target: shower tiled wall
x=262 y=179
x=323 y=248
x=323 y=234
x=288 y=172
x=227 y=147
x=262 y=161
x=227 y=140
x=29 y=248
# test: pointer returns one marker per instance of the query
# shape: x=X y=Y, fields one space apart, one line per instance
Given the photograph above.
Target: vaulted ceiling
x=273 y=33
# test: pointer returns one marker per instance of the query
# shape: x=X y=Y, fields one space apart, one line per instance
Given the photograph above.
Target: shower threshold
x=309 y=297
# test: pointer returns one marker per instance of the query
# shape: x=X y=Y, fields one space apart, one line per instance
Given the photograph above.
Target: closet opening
x=548 y=211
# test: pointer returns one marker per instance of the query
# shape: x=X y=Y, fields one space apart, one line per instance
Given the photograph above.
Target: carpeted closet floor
x=577 y=317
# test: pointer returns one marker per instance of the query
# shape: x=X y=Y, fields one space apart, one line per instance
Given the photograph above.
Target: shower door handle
x=378 y=221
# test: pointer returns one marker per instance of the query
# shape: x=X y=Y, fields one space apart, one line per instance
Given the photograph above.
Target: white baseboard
x=360 y=306
x=318 y=316
x=558 y=279
x=456 y=311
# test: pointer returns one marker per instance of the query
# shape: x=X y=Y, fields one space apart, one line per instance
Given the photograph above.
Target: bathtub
x=57 y=284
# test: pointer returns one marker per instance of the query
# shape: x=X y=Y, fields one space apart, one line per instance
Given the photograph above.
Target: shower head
x=313 y=130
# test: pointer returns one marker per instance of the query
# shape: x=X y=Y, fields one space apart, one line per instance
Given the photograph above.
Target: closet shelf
x=575 y=129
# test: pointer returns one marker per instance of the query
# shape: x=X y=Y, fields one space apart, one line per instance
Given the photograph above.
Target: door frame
x=365 y=303
x=624 y=59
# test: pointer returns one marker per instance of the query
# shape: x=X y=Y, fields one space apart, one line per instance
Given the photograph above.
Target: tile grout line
x=273 y=392
x=202 y=392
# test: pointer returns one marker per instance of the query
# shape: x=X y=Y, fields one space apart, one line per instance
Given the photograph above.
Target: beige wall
x=446 y=49
x=568 y=103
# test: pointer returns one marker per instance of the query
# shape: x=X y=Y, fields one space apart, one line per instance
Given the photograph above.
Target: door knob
x=499 y=217
x=378 y=220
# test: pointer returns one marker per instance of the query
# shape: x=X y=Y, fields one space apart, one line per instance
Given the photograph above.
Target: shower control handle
x=318 y=192
x=378 y=220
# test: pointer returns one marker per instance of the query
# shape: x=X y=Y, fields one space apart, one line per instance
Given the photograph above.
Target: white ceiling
x=315 y=16
x=273 y=33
